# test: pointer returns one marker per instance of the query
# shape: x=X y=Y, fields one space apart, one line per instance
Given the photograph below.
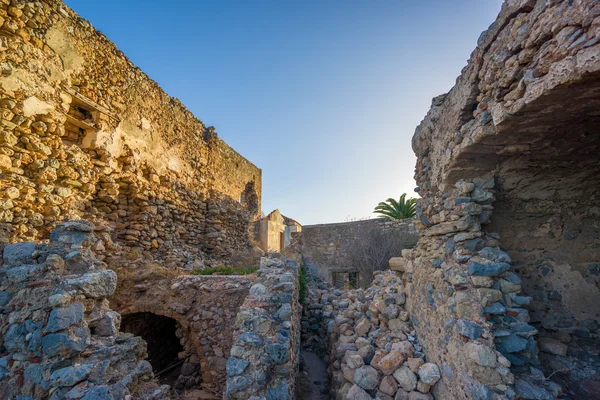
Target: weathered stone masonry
x=204 y=309
x=265 y=356
x=86 y=134
x=58 y=337
x=517 y=135
x=325 y=247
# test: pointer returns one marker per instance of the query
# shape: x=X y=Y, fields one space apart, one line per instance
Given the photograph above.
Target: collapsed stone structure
x=59 y=337
x=264 y=358
x=501 y=290
x=508 y=160
x=371 y=344
x=195 y=310
x=86 y=134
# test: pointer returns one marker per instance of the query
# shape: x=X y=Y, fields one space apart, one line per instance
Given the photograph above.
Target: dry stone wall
x=58 y=336
x=325 y=248
x=265 y=355
x=204 y=308
x=85 y=134
x=508 y=175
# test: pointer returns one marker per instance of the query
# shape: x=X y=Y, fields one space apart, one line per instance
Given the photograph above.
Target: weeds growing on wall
x=303 y=284
x=226 y=271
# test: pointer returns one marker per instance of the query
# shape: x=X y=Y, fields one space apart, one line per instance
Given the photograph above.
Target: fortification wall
x=326 y=247
x=86 y=134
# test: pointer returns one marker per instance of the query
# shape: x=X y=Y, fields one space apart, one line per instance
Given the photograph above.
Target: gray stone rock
x=510 y=344
x=366 y=377
x=19 y=253
x=4 y=298
x=552 y=346
x=429 y=373
x=107 y=325
x=468 y=329
x=277 y=352
x=62 y=318
x=14 y=339
x=72 y=233
x=495 y=309
x=70 y=376
x=530 y=391
x=250 y=338
x=285 y=312
x=494 y=254
x=237 y=384
x=98 y=393
x=22 y=273
x=235 y=366
x=66 y=344
x=493 y=269
x=357 y=393
x=481 y=354
x=406 y=378
x=96 y=284
x=258 y=289
x=279 y=392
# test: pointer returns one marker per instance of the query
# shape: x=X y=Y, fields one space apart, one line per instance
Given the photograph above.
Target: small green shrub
x=226 y=271
x=303 y=284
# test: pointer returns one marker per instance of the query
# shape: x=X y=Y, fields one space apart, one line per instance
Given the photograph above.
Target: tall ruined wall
x=508 y=159
x=85 y=133
x=326 y=247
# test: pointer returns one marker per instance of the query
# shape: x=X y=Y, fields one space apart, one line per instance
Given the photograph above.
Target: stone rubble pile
x=372 y=347
x=58 y=337
x=264 y=357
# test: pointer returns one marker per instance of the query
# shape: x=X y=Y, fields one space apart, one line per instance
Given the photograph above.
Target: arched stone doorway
x=546 y=211
x=163 y=344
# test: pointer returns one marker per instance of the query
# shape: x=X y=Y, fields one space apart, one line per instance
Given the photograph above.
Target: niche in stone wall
x=85 y=117
x=164 y=345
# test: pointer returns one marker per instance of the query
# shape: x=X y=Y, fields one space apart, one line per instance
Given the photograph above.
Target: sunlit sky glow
x=323 y=96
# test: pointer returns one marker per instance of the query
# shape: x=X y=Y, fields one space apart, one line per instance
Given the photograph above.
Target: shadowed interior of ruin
x=547 y=212
x=163 y=344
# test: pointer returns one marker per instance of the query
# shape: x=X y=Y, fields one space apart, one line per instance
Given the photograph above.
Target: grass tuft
x=226 y=271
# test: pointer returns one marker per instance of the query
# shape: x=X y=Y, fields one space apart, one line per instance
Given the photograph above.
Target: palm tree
x=400 y=209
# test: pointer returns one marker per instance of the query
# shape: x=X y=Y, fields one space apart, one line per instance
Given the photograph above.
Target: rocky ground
x=371 y=345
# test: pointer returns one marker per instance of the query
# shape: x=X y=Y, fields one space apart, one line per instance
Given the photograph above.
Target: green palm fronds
x=397 y=209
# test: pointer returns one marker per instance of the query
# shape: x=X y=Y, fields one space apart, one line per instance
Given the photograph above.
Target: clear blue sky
x=323 y=95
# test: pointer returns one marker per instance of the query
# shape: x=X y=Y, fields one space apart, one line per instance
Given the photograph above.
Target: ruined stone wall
x=58 y=336
x=85 y=133
x=325 y=247
x=367 y=339
x=556 y=252
x=204 y=307
x=265 y=356
x=506 y=160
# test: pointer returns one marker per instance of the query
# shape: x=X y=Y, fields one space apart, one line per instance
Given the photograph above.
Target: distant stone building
x=273 y=233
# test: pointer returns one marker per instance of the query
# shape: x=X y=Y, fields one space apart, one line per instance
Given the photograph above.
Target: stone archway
x=200 y=306
x=163 y=345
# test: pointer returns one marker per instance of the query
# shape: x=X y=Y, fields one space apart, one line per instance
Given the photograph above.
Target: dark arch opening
x=163 y=344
